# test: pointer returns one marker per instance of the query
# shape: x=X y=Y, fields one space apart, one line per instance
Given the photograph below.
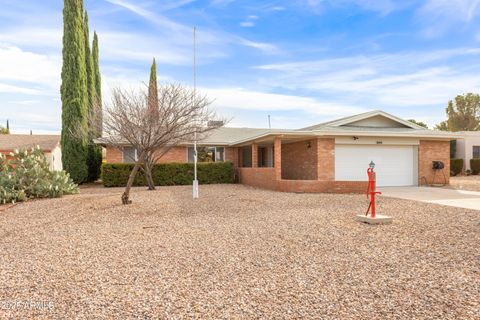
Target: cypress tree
x=93 y=150
x=97 y=105
x=89 y=68
x=153 y=90
x=98 y=83
x=152 y=84
x=74 y=93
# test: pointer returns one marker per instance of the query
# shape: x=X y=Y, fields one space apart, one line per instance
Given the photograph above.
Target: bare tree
x=154 y=126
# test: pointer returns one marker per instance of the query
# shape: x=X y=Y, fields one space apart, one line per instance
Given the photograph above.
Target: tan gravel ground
x=471 y=183
x=237 y=252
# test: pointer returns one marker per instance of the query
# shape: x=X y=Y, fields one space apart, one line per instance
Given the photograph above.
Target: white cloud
x=438 y=16
x=464 y=10
x=181 y=35
x=19 y=65
x=221 y=2
x=46 y=38
x=405 y=80
x=247 y=24
x=8 y=88
x=244 y=99
x=383 y=7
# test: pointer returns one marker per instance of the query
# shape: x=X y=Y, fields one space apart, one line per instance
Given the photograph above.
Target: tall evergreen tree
x=97 y=101
x=152 y=84
x=98 y=83
x=74 y=93
x=89 y=67
x=93 y=150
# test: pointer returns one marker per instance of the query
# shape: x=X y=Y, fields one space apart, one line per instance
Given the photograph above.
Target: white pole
x=195 y=156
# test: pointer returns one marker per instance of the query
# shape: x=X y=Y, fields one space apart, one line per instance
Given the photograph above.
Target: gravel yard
x=237 y=252
x=471 y=183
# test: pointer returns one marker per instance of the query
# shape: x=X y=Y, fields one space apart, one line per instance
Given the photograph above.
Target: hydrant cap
x=372 y=164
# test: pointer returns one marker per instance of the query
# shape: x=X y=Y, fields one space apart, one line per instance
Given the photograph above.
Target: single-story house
x=326 y=157
x=468 y=147
x=50 y=144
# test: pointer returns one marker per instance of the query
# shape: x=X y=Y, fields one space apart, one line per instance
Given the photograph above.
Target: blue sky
x=302 y=62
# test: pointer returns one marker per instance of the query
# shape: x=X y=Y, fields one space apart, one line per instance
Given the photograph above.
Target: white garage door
x=394 y=165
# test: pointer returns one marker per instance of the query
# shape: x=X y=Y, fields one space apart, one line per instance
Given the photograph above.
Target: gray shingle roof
x=9 y=142
x=226 y=135
x=237 y=136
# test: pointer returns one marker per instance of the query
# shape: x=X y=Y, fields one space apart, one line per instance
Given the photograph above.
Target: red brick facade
x=308 y=166
x=429 y=151
x=323 y=155
x=176 y=154
x=114 y=155
x=299 y=160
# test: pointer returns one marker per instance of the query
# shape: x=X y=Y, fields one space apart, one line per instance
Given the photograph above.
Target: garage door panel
x=395 y=165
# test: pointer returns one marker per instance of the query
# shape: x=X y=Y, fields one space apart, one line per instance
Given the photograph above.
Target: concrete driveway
x=444 y=196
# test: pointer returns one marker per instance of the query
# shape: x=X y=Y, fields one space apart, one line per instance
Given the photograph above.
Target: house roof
x=374 y=123
x=9 y=142
x=227 y=135
x=362 y=116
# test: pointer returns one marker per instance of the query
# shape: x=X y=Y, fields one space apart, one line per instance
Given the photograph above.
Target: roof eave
x=433 y=134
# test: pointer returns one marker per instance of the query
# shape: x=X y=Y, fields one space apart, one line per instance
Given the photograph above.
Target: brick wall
x=265 y=178
x=428 y=151
x=258 y=177
x=176 y=154
x=326 y=159
x=299 y=162
x=113 y=155
x=231 y=154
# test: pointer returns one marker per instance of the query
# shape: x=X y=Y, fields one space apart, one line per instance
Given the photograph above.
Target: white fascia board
x=275 y=133
x=434 y=135
x=373 y=114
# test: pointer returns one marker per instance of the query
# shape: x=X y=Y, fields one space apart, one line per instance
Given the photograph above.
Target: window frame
x=476 y=155
x=135 y=154
x=207 y=148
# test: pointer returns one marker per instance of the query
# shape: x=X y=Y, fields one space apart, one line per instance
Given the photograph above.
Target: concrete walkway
x=444 y=196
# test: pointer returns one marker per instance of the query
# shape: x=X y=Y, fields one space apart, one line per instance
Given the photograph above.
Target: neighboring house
x=50 y=144
x=468 y=147
x=327 y=157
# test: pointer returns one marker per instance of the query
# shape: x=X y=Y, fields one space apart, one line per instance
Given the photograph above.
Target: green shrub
x=453 y=148
x=475 y=166
x=456 y=166
x=27 y=175
x=168 y=174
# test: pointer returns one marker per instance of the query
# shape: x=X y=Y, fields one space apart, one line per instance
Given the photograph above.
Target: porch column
x=254 y=155
x=277 y=148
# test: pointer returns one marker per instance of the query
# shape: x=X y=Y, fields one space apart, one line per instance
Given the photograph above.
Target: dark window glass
x=247 y=156
x=207 y=154
x=220 y=154
x=476 y=152
x=129 y=155
x=191 y=153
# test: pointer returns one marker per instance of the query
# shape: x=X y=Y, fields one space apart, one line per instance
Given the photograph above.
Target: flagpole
x=195 y=155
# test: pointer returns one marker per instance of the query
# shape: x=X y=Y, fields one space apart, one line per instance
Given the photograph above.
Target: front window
x=129 y=155
x=207 y=154
x=476 y=152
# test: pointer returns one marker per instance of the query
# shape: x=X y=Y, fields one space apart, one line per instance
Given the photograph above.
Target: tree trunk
x=148 y=175
x=131 y=178
x=147 y=170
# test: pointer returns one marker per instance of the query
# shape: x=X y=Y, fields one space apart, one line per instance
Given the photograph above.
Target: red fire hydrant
x=371 y=189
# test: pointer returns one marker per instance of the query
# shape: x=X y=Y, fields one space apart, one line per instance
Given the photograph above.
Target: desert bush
x=27 y=175
x=456 y=166
x=168 y=174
